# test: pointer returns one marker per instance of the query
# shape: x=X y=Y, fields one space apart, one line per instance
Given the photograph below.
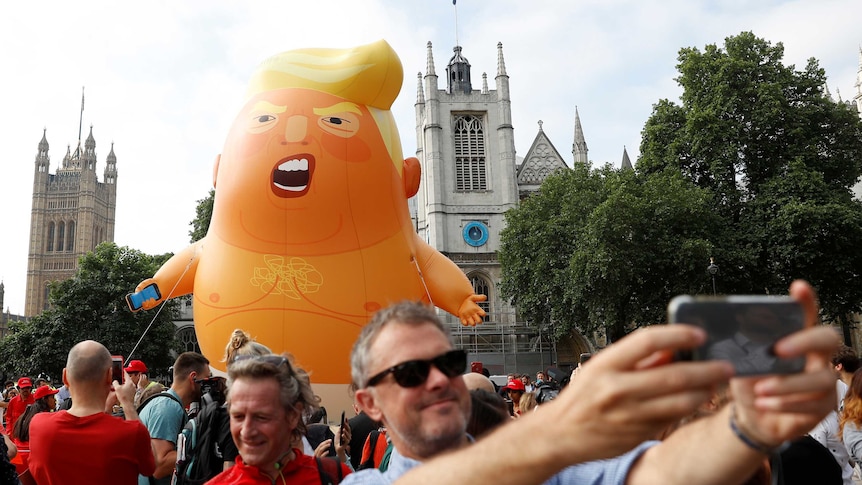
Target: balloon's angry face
x=298 y=158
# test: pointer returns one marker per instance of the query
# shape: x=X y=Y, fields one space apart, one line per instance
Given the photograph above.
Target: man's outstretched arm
x=768 y=410
x=629 y=392
x=623 y=396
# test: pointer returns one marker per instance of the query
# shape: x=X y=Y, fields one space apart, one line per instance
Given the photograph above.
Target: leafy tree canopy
x=91 y=305
x=606 y=249
x=745 y=117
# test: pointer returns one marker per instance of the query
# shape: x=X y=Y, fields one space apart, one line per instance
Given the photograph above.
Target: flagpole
x=81 y=118
x=455 y=7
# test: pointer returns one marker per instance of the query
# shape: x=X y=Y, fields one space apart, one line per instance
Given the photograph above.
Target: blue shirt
x=600 y=472
x=164 y=419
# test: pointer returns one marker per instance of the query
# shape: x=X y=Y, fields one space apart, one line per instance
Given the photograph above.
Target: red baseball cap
x=44 y=391
x=515 y=385
x=25 y=382
x=136 y=366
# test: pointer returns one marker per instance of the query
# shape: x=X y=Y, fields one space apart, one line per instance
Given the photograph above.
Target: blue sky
x=164 y=80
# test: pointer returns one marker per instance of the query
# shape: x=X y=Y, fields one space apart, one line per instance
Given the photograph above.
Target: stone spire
x=42 y=159
x=420 y=93
x=429 y=63
x=501 y=64
x=111 y=167
x=90 y=144
x=579 y=147
x=89 y=157
x=626 y=163
x=43 y=143
x=67 y=160
x=484 y=83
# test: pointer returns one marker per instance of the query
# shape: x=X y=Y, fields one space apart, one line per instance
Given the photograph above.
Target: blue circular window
x=475 y=233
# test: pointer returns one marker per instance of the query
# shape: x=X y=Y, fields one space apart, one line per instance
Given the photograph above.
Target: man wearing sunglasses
x=597 y=431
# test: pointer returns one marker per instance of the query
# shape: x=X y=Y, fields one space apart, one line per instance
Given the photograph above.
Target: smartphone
x=741 y=329
x=341 y=425
x=136 y=300
x=117 y=368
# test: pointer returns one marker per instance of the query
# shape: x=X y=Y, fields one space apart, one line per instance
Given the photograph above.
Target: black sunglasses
x=414 y=372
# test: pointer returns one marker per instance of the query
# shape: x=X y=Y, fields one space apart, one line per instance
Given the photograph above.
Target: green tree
x=91 y=305
x=779 y=156
x=744 y=117
x=645 y=243
x=606 y=249
x=203 y=214
x=538 y=240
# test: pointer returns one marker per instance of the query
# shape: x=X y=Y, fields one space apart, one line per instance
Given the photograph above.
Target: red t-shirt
x=300 y=471
x=22 y=459
x=16 y=408
x=66 y=449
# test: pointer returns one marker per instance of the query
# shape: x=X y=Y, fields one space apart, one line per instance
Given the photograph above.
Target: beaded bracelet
x=751 y=442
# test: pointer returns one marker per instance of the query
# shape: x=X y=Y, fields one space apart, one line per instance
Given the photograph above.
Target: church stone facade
x=471 y=176
x=72 y=213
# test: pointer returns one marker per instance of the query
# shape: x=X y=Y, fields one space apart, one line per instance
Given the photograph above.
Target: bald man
x=86 y=441
x=474 y=380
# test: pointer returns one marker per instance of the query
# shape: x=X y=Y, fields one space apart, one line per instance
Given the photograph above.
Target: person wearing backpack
x=164 y=414
x=546 y=391
x=205 y=443
x=266 y=398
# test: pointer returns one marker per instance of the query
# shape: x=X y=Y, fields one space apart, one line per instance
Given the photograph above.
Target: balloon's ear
x=215 y=169
x=412 y=174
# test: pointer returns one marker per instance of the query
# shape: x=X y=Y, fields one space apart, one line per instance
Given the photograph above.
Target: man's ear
x=365 y=398
x=215 y=169
x=411 y=175
x=65 y=379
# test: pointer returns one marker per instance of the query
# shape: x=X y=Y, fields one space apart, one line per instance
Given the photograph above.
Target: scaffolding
x=504 y=343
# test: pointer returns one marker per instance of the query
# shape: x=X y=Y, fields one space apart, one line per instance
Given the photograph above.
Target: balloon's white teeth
x=294 y=165
x=291 y=187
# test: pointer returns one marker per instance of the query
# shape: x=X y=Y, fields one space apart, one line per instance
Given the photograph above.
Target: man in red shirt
x=85 y=444
x=19 y=403
x=266 y=397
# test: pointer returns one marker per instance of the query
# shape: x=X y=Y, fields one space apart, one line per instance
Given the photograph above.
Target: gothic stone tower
x=466 y=146
x=72 y=213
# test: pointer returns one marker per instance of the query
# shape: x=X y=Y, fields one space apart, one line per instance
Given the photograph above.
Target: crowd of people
x=631 y=415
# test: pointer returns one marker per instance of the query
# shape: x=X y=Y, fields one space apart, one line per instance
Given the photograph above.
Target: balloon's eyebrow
x=343 y=107
x=268 y=107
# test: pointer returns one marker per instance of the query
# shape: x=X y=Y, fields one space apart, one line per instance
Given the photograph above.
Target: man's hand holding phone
x=776 y=408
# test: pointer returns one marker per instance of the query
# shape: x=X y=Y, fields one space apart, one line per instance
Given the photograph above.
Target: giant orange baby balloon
x=310 y=231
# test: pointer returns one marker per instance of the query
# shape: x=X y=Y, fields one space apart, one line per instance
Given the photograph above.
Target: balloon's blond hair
x=370 y=75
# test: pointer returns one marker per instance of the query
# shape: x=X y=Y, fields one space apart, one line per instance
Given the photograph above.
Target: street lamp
x=712 y=269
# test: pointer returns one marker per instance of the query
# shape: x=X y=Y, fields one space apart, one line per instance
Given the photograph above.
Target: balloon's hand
x=146 y=296
x=470 y=312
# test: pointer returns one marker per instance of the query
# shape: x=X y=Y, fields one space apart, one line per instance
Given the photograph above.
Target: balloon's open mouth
x=291 y=176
